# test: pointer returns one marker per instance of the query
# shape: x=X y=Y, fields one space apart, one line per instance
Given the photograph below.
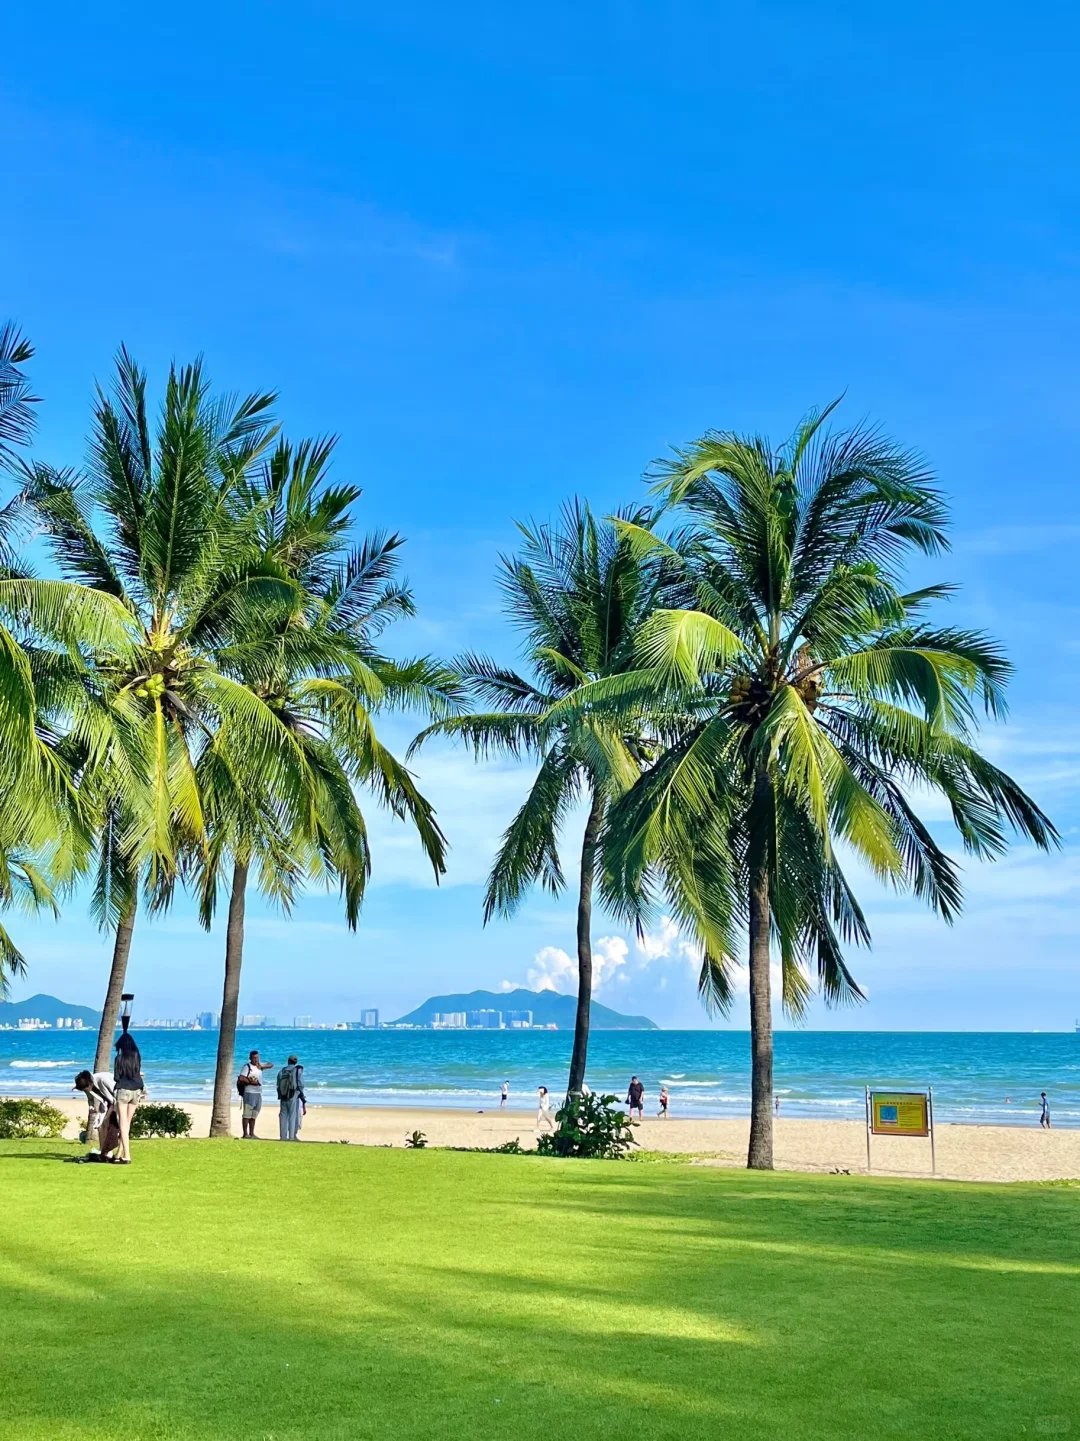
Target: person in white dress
x=543 y=1112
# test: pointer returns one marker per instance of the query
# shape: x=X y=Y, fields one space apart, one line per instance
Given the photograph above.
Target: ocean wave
x=43 y=1065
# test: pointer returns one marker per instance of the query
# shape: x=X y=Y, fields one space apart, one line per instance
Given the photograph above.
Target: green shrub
x=25 y=1120
x=593 y=1127
x=159 y=1119
x=508 y=1148
x=416 y=1142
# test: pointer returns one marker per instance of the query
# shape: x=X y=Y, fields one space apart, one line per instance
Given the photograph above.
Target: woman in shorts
x=127 y=1076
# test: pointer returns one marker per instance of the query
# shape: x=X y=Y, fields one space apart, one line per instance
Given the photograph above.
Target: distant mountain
x=46 y=1008
x=548 y=1008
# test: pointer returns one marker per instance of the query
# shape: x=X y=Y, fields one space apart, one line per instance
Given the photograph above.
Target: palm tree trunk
x=760 y=1156
x=234 y=956
x=110 y=1011
x=584 y=946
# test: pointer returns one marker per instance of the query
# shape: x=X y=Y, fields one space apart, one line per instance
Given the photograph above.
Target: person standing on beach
x=635 y=1098
x=504 y=1095
x=662 y=1112
x=130 y=1090
x=249 y=1084
x=291 y=1098
x=543 y=1111
x=1044 y=1114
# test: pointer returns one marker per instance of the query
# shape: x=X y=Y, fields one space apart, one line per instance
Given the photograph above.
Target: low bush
x=159 y=1119
x=592 y=1127
x=26 y=1120
x=416 y=1142
x=508 y=1148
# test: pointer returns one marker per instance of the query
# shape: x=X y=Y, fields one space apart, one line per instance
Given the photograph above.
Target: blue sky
x=510 y=255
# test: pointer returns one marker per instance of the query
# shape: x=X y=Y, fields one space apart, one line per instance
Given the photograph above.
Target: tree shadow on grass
x=384 y=1296
x=22 y=1155
x=933 y=1224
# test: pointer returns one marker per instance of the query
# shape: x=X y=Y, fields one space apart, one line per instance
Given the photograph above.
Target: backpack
x=287 y=1086
x=242 y=1082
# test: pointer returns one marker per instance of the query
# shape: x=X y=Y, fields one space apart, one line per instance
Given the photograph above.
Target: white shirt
x=103 y=1092
x=545 y=1101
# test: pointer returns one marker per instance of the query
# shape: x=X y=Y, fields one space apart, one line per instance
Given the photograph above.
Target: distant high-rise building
x=369 y=1020
x=517 y=1020
x=208 y=1020
x=450 y=1020
x=485 y=1020
x=253 y=1023
x=303 y=1023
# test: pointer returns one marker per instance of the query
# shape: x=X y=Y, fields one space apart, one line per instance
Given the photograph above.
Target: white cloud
x=667 y=943
x=609 y=957
x=551 y=970
x=614 y=960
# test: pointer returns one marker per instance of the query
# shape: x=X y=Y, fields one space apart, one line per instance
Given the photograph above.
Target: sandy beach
x=964 y=1153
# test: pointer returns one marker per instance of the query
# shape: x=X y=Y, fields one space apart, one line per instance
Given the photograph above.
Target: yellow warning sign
x=899 y=1113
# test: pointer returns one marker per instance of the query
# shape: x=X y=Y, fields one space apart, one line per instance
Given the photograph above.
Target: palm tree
x=314 y=663
x=152 y=522
x=579 y=594
x=817 y=702
x=16 y=399
x=45 y=629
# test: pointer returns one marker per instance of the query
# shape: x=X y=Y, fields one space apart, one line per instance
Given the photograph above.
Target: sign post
x=900 y=1113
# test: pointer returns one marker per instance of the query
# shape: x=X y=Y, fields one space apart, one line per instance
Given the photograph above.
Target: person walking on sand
x=662 y=1112
x=635 y=1098
x=249 y=1084
x=504 y=1095
x=1044 y=1114
x=543 y=1111
x=292 y=1101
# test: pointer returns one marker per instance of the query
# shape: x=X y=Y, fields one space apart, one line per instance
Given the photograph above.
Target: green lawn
x=223 y=1292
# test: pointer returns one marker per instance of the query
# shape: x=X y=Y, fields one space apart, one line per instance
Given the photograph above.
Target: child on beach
x=663 y=1102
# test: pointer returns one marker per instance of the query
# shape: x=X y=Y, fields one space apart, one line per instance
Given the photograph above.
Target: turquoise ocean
x=992 y=1078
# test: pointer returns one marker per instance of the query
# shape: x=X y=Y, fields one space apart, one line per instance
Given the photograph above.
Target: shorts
x=129 y=1098
x=252 y=1102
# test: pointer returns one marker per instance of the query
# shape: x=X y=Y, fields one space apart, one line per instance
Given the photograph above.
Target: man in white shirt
x=251 y=1093
x=100 y=1093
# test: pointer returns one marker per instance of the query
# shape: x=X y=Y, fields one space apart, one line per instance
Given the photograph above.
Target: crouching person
x=101 y=1124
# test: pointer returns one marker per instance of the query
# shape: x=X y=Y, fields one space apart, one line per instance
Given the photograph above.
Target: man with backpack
x=293 y=1102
